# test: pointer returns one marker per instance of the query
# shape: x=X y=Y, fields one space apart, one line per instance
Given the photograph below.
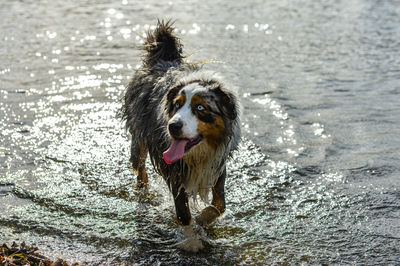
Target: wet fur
x=147 y=109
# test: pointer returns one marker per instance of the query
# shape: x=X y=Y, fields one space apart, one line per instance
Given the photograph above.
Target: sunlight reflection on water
x=301 y=189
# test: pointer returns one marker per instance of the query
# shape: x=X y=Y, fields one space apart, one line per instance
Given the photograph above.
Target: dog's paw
x=193 y=238
x=191 y=244
x=208 y=216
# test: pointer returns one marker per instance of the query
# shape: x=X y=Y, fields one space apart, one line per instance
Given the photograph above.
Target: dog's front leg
x=217 y=208
x=192 y=241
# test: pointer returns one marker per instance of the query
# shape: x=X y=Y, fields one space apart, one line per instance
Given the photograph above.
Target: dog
x=187 y=121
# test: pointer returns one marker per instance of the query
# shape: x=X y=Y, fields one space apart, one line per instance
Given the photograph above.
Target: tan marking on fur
x=134 y=170
x=217 y=202
x=179 y=99
x=196 y=99
x=212 y=133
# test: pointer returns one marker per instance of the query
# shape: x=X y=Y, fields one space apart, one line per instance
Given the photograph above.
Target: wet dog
x=187 y=121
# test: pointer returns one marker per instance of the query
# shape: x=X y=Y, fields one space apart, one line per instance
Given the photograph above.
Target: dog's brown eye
x=200 y=107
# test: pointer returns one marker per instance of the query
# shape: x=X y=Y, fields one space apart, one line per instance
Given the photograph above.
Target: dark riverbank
x=25 y=255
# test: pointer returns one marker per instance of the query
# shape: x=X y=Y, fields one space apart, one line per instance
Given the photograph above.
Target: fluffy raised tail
x=162 y=45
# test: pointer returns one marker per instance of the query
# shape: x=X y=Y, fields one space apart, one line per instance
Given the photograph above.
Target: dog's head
x=199 y=113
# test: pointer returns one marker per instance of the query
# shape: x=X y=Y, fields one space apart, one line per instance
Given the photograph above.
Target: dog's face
x=199 y=113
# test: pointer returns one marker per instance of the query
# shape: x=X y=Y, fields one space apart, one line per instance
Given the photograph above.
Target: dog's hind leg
x=217 y=208
x=138 y=161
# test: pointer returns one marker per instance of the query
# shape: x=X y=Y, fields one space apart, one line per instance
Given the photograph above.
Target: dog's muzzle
x=175 y=129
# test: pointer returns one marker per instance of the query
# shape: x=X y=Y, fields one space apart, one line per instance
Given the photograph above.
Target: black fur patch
x=163 y=45
x=227 y=101
x=206 y=117
x=172 y=93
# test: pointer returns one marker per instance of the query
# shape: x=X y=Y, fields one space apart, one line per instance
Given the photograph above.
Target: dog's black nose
x=175 y=128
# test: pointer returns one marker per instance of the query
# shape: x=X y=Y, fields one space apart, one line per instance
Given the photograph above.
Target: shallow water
x=316 y=179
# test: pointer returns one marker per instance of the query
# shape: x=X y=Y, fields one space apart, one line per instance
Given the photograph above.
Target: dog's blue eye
x=177 y=105
x=200 y=107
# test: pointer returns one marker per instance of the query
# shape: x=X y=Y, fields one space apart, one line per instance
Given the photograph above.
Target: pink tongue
x=175 y=151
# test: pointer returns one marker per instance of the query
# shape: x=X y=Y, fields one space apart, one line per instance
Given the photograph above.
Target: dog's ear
x=228 y=102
